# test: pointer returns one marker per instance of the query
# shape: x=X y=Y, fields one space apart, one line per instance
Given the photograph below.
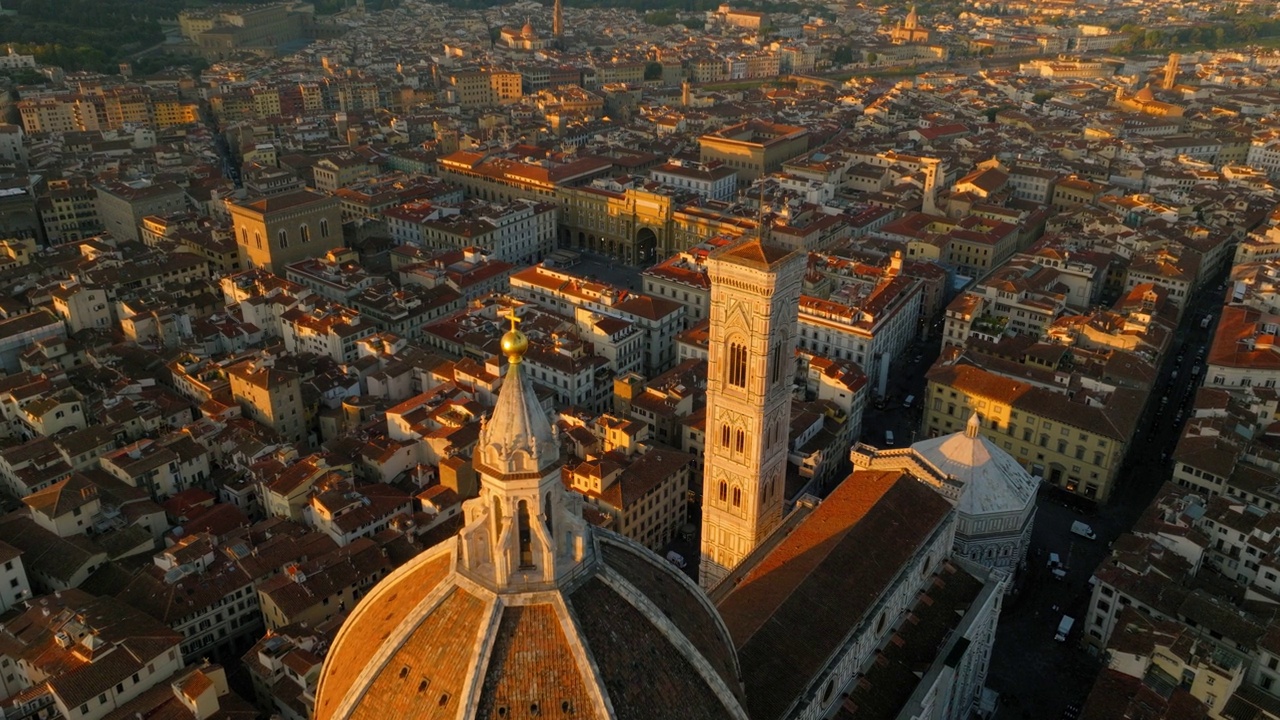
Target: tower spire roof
x=517 y=437
x=971 y=427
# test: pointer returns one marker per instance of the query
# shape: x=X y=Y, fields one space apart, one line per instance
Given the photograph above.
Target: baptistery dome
x=530 y=612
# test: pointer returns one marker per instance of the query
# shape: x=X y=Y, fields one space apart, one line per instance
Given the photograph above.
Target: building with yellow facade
x=270 y=396
x=754 y=148
x=1073 y=437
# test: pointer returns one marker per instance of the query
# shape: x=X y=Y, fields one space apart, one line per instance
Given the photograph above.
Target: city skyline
x=755 y=361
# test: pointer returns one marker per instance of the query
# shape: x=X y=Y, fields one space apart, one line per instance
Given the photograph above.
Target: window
x=777 y=363
x=724 y=491
x=724 y=435
x=304 y=232
x=257 y=239
x=283 y=238
x=737 y=497
x=740 y=442
x=737 y=365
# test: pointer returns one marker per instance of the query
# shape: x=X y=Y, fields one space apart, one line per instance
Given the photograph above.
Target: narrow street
x=1026 y=654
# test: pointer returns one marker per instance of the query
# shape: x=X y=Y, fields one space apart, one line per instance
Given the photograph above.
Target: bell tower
x=557 y=24
x=755 y=298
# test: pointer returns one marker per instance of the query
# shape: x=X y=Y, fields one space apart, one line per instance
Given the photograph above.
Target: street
x=906 y=380
x=1025 y=653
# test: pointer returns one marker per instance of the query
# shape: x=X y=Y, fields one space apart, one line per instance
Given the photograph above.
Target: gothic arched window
x=740 y=443
x=777 y=362
x=737 y=497
x=724 y=435
x=737 y=369
x=724 y=491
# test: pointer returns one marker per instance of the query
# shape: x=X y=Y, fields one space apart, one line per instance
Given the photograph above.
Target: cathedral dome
x=527 y=31
x=630 y=638
x=530 y=612
x=993 y=481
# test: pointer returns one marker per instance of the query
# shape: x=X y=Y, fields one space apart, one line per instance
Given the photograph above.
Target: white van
x=676 y=559
x=888 y=437
x=1083 y=530
x=907 y=403
x=1064 y=628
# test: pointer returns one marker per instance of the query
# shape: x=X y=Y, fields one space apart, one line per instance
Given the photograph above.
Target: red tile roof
x=792 y=611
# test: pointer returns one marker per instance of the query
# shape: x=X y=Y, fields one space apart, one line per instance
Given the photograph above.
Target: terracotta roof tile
x=681 y=607
x=337 y=678
x=793 y=610
x=533 y=666
x=425 y=678
x=625 y=646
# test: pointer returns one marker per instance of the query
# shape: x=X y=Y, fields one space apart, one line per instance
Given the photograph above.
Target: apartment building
x=1021 y=297
x=121 y=207
x=326 y=329
x=1075 y=436
x=97 y=655
x=869 y=323
x=503 y=179
x=314 y=590
x=714 y=181
x=162 y=470
x=197 y=588
x=642 y=489
x=270 y=396
x=69 y=212
x=683 y=278
x=520 y=232
x=561 y=293
x=1244 y=352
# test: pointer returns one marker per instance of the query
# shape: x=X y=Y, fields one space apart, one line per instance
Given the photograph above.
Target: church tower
x=755 y=296
x=1171 y=71
x=557 y=24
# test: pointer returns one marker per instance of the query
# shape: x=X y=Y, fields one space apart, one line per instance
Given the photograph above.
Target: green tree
x=653 y=70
